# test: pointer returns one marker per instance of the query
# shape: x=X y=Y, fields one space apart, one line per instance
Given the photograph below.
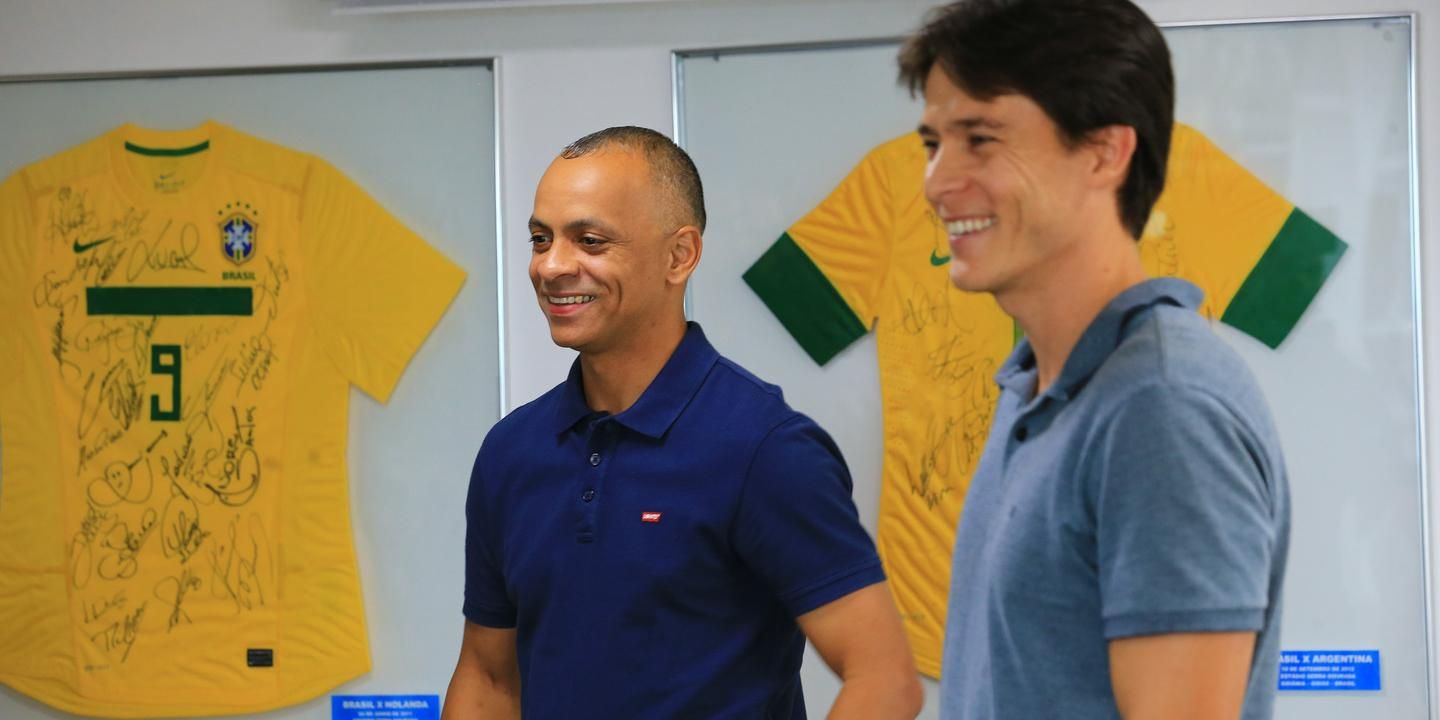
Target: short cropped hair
x=1087 y=63
x=671 y=168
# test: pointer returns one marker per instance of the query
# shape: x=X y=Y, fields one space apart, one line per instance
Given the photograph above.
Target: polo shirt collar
x=661 y=403
x=1099 y=340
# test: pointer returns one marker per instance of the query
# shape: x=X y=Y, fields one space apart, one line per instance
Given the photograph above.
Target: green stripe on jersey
x=1286 y=279
x=803 y=299
x=169 y=301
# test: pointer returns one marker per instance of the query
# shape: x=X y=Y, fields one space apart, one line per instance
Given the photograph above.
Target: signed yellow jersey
x=873 y=254
x=181 y=317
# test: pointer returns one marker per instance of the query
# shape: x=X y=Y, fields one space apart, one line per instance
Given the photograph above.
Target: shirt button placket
x=587 y=498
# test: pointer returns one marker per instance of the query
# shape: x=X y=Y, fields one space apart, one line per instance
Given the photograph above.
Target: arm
x=1181 y=676
x=486 y=684
x=1190 y=548
x=860 y=638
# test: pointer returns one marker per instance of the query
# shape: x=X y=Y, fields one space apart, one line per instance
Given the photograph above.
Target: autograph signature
x=172 y=591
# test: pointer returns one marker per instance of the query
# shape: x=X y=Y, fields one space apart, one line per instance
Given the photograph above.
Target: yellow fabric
x=142 y=558
x=879 y=243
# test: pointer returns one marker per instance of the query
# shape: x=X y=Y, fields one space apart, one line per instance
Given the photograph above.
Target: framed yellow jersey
x=181 y=317
x=874 y=255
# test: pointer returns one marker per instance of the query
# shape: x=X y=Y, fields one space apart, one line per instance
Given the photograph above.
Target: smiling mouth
x=569 y=299
x=970 y=226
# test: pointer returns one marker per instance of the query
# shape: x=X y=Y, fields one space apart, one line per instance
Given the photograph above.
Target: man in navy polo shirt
x=1123 y=543
x=656 y=536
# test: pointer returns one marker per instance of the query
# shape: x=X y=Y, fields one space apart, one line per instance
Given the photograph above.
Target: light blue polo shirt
x=1142 y=493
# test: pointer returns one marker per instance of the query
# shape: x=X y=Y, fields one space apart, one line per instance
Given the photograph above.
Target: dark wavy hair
x=1087 y=63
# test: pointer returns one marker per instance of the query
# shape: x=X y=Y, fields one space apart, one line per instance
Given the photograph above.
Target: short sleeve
x=377 y=287
x=486 y=600
x=1186 y=526
x=1260 y=259
x=822 y=277
x=17 y=219
x=797 y=527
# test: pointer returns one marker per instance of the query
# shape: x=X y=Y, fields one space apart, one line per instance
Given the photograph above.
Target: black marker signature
x=120 y=634
x=240 y=562
x=95 y=610
x=180 y=534
x=271 y=284
x=59 y=346
x=100 y=262
x=199 y=339
x=120 y=484
x=160 y=257
x=120 y=548
x=925 y=308
x=118 y=391
x=69 y=214
x=105 y=341
x=935 y=462
x=172 y=591
x=82 y=546
x=56 y=292
x=951 y=361
x=257 y=354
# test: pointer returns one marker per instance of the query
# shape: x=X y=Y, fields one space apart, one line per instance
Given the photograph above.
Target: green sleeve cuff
x=804 y=300
x=1285 y=281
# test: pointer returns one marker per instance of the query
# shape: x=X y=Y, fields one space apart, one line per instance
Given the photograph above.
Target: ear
x=685 y=247
x=1112 y=148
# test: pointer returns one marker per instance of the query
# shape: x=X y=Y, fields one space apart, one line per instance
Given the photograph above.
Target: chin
x=966 y=280
x=567 y=338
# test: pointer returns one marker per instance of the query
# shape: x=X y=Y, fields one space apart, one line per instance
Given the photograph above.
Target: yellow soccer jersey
x=183 y=315
x=873 y=254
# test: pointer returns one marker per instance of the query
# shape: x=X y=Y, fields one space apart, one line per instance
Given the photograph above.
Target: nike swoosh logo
x=80 y=247
x=936 y=260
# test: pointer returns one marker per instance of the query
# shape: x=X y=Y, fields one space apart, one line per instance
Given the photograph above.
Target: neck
x=1059 y=301
x=616 y=377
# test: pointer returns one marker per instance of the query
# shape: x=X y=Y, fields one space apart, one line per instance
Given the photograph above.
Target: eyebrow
x=964 y=123
x=576 y=226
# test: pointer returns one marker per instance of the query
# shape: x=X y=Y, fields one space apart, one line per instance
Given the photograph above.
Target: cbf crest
x=239 y=231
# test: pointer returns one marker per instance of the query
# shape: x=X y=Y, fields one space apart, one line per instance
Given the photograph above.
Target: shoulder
x=743 y=401
x=760 y=425
x=68 y=166
x=521 y=425
x=1170 y=348
x=268 y=162
x=1173 y=377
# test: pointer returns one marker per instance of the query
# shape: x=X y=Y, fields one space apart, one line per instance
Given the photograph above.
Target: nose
x=948 y=174
x=557 y=261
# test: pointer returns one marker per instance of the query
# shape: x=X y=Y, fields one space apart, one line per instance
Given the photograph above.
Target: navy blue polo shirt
x=653 y=562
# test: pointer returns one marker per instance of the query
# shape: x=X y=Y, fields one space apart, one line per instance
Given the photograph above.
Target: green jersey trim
x=167 y=301
x=804 y=300
x=1281 y=286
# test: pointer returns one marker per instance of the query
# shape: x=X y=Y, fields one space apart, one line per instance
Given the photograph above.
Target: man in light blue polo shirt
x=1123 y=544
x=658 y=535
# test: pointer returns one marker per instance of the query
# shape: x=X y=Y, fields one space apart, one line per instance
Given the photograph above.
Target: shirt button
x=588 y=495
x=594 y=459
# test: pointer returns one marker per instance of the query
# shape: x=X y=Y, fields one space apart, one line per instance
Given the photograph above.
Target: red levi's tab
x=650 y=517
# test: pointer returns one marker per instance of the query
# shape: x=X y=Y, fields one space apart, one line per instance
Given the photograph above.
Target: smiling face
x=603 y=256
x=1009 y=191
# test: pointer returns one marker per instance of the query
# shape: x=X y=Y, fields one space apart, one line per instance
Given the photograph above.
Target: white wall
x=565 y=71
